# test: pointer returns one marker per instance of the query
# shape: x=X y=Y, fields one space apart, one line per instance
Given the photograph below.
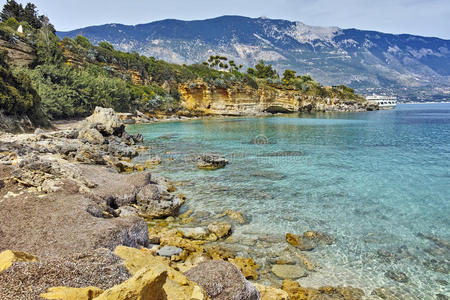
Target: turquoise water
x=373 y=180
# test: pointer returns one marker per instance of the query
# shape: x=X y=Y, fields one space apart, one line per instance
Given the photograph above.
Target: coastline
x=85 y=198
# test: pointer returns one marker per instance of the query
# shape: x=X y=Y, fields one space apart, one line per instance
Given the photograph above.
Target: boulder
x=211 y=162
x=155 y=202
x=176 y=286
x=319 y=237
x=106 y=121
x=222 y=281
x=220 y=229
x=8 y=257
x=145 y=284
x=288 y=271
x=89 y=154
x=91 y=135
x=271 y=293
x=69 y=293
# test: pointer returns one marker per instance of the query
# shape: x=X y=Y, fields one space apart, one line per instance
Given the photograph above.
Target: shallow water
x=373 y=180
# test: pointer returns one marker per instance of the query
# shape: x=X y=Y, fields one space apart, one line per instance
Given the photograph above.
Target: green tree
x=288 y=76
x=12 y=9
x=47 y=45
x=106 y=46
x=17 y=95
x=83 y=42
x=262 y=70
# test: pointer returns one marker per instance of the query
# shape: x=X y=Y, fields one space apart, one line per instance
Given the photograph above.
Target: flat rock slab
x=169 y=251
x=289 y=271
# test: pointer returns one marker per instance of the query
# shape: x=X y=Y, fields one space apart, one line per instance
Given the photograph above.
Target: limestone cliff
x=20 y=53
x=200 y=98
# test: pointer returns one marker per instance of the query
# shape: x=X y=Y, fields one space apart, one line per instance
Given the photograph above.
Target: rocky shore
x=80 y=220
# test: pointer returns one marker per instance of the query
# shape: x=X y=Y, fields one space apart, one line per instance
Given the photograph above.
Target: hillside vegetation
x=69 y=77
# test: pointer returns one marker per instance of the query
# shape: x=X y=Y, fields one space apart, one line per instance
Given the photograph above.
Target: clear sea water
x=372 y=180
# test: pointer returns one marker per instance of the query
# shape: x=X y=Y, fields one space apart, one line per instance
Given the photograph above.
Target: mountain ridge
x=410 y=66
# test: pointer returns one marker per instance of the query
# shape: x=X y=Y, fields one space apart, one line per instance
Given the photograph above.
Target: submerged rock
x=234 y=215
x=289 y=271
x=222 y=281
x=309 y=240
x=397 y=276
x=299 y=242
x=296 y=291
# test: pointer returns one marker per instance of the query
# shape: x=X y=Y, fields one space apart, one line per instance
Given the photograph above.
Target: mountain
x=412 y=67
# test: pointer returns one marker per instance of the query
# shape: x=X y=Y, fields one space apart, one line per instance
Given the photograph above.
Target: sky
x=419 y=17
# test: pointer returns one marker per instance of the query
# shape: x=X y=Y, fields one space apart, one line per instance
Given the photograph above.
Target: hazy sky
x=421 y=17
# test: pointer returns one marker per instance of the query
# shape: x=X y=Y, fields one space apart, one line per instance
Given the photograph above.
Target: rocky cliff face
x=203 y=99
x=20 y=53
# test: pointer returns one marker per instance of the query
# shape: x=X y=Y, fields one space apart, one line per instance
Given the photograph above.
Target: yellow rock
x=135 y=259
x=139 y=168
x=146 y=284
x=247 y=266
x=69 y=293
x=271 y=293
x=176 y=287
x=8 y=257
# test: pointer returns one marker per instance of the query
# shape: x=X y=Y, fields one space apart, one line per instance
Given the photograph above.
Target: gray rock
x=222 y=281
x=106 y=121
x=89 y=154
x=95 y=210
x=126 y=211
x=121 y=149
x=155 y=202
x=91 y=135
x=169 y=251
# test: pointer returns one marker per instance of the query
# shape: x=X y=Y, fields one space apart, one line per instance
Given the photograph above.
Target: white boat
x=384 y=102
